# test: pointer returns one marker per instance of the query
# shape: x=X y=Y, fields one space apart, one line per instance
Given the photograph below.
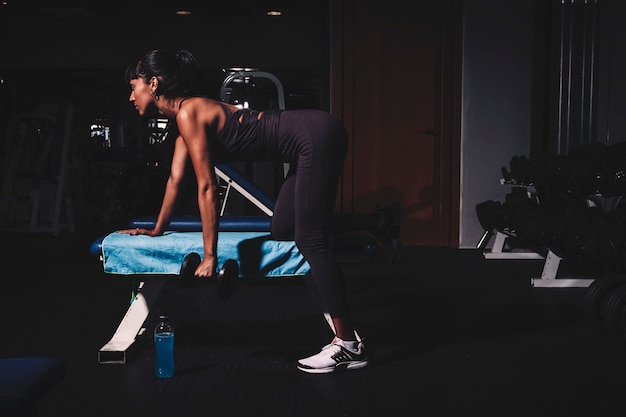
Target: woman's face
x=140 y=96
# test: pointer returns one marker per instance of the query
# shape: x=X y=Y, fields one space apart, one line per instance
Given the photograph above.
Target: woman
x=311 y=141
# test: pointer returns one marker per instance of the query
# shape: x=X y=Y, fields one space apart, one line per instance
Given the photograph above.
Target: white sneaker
x=338 y=355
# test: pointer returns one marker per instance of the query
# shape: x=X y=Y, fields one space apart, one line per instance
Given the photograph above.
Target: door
x=394 y=90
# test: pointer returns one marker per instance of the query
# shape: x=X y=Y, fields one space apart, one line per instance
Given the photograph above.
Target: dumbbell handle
x=225 y=279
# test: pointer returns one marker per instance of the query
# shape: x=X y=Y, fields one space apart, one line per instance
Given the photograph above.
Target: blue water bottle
x=164 y=344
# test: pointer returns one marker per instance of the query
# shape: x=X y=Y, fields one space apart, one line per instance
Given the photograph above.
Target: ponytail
x=178 y=73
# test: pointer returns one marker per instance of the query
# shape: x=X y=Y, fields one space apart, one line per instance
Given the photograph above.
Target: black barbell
x=225 y=279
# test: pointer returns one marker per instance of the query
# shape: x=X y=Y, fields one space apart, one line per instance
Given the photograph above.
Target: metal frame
x=497 y=251
x=246 y=75
x=549 y=275
x=131 y=329
x=548 y=278
x=227 y=177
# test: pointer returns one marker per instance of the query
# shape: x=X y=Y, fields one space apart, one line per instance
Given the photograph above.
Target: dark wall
x=45 y=59
x=87 y=55
x=611 y=80
x=111 y=42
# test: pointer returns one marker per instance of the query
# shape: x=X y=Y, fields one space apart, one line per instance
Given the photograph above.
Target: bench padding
x=257 y=254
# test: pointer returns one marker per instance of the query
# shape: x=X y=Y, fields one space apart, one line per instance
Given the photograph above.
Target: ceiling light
x=274 y=13
x=183 y=12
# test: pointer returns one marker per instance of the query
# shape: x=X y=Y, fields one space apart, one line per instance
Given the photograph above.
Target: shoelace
x=334 y=343
x=331 y=344
x=336 y=349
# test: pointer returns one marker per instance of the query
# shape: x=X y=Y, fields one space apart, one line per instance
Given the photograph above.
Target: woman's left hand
x=137 y=231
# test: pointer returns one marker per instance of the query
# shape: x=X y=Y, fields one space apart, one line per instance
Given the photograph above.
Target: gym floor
x=449 y=333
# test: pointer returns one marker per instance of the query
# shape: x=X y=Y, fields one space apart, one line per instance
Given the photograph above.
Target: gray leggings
x=316 y=143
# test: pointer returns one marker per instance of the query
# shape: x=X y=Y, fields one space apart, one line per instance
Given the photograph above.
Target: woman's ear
x=154 y=84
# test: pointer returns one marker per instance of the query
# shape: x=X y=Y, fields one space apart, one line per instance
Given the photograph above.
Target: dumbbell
x=225 y=279
x=597 y=296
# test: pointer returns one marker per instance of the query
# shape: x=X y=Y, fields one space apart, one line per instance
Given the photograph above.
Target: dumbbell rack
x=549 y=278
x=551 y=265
x=499 y=250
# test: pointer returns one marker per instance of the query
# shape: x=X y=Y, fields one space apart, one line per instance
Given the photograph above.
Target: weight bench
x=156 y=259
x=25 y=381
x=245 y=239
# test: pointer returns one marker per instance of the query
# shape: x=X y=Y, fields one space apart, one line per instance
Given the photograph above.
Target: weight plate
x=612 y=317
x=227 y=278
x=188 y=267
x=597 y=295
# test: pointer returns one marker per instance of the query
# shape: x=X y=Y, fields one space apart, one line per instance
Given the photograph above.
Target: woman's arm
x=196 y=136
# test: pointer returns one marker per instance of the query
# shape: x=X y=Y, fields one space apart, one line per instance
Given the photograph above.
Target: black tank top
x=251 y=138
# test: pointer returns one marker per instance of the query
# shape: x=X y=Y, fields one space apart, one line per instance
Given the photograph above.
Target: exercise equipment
x=155 y=260
x=257 y=253
x=597 y=296
x=241 y=87
x=614 y=317
x=569 y=206
x=34 y=190
x=225 y=279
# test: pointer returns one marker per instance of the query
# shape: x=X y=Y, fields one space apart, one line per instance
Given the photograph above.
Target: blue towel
x=257 y=254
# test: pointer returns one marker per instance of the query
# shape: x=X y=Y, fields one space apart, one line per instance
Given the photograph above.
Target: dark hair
x=178 y=73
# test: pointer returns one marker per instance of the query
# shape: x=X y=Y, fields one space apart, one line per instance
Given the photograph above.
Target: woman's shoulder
x=205 y=110
x=206 y=104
